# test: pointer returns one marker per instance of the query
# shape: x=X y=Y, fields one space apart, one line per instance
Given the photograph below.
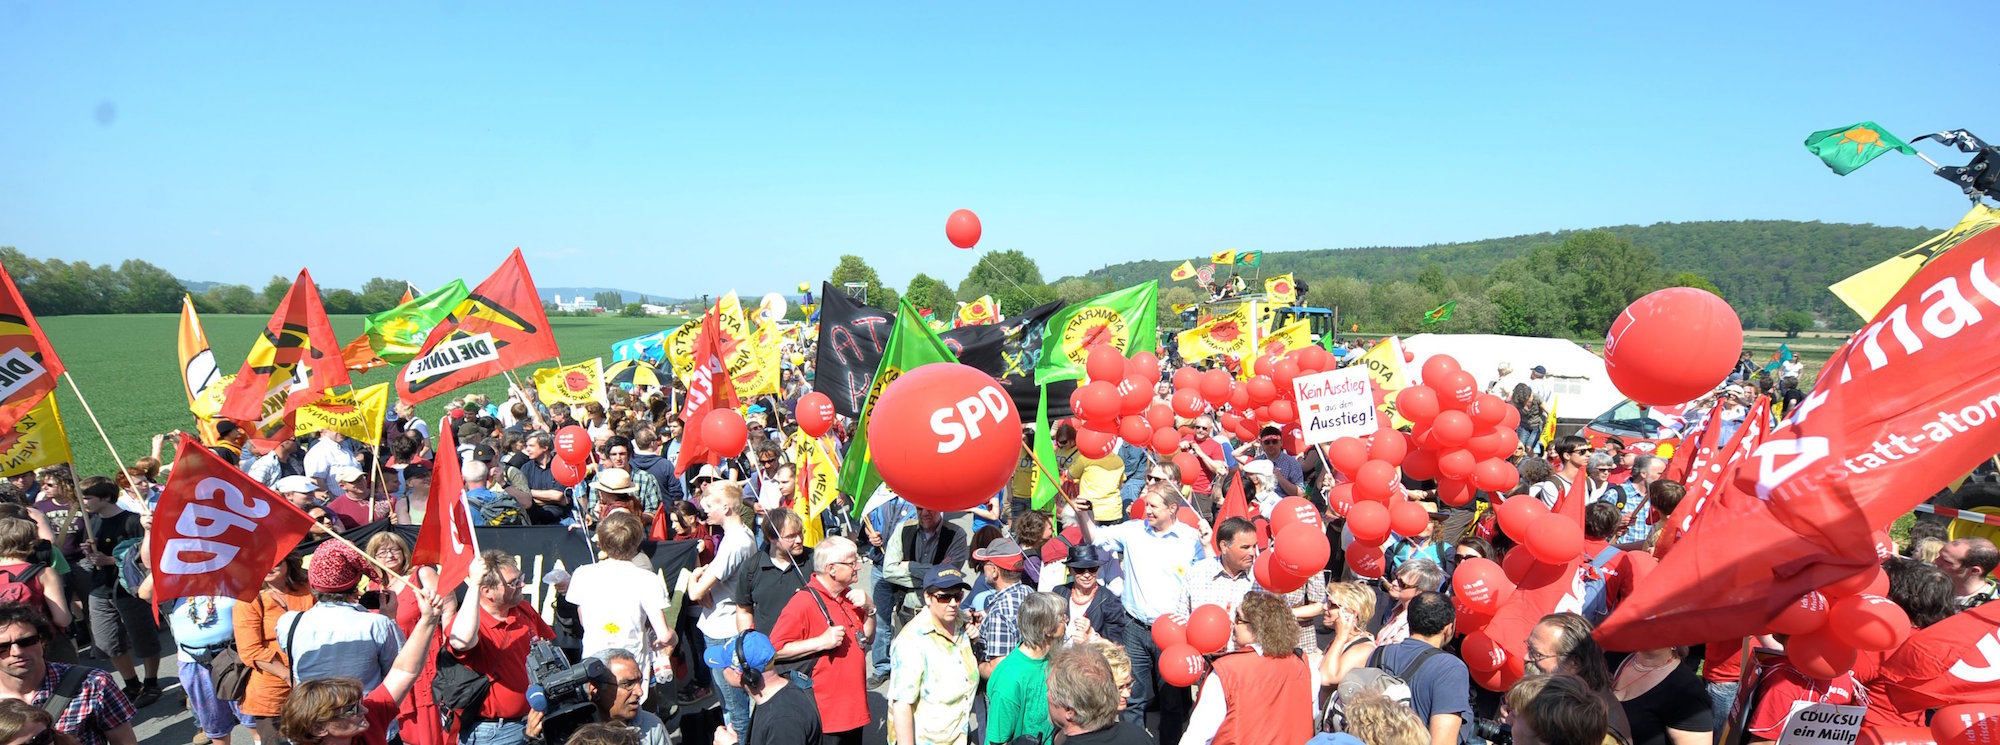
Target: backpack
x=21 y=586
x=1596 y=600
x=457 y=689
x=1373 y=679
x=131 y=573
x=499 y=512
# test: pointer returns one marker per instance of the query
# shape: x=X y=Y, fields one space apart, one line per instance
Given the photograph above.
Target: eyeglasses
x=947 y=597
x=47 y=736
x=768 y=461
x=633 y=683
x=1153 y=477
x=23 y=642
x=352 y=711
x=1534 y=656
x=847 y=563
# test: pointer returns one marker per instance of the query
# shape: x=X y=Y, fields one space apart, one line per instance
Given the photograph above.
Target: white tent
x=1583 y=389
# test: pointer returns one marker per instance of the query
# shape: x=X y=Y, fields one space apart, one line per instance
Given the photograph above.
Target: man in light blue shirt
x=337 y=638
x=1154 y=554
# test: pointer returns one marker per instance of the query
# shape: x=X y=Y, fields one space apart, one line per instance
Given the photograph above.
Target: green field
x=128 y=368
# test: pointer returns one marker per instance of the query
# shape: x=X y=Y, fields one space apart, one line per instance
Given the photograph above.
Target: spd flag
x=217 y=531
x=1951 y=661
x=1124 y=319
x=28 y=364
x=1901 y=410
x=498 y=327
x=446 y=538
x=296 y=354
x=911 y=345
x=357 y=414
x=707 y=389
x=575 y=384
x=37 y=440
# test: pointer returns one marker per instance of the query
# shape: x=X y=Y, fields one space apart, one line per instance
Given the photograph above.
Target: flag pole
x=119 y=461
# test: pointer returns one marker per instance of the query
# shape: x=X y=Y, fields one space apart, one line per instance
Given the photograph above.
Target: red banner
x=1956 y=660
x=217 y=531
x=499 y=327
x=708 y=387
x=28 y=364
x=446 y=538
x=297 y=353
x=1911 y=402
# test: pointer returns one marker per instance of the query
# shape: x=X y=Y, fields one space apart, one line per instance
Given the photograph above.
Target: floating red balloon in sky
x=962 y=229
x=1672 y=346
x=945 y=418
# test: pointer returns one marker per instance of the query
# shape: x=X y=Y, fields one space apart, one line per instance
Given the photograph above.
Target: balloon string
x=1003 y=275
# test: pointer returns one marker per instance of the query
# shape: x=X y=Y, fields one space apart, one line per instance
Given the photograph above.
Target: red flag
x=1234 y=504
x=359 y=355
x=296 y=354
x=1573 y=500
x=28 y=364
x=1694 y=446
x=217 y=531
x=1711 y=470
x=1956 y=660
x=708 y=388
x=446 y=537
x=499 y=327
x=1905 y=407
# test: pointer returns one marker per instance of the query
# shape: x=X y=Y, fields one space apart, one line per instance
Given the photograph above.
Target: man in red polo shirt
x=491 y=637
x=821 y=630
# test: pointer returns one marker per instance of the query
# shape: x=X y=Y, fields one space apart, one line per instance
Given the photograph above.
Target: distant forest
x=1774 y=272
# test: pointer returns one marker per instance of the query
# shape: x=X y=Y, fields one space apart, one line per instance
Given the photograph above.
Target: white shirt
x=1545 y=389
x=325 y=457
x=613 y=599
x=1155 y=565
x=731 y=557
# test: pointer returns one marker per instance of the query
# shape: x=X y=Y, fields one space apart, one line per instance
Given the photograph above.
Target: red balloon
x=1283 y=413
x=1182 y=666
x=1366 y=559
x=1369 y=522
x=1418 y=403
x=1295 y=511
x=1168 y=631
x=1457 y=391
x=565 y=472
x=1143 y=365
x=1099 y=400
x=1135 y=430
x=1437 y=367
x=1166 y=442
x=1854 y=583
x=1190 y=467
x=1216 y=387
x=1554 y=539
x=1517 y=563
x=1239 y=398
x=1804 y=616
x=1967 y=724
x=1456 y=465
x=1347 y=454
x=1186 y=379
x=1340 y=499
x=1496 y=476
x=1869 y=622
x=945 y=418
x=1301 y=551
x=1481 y=584
x=1672 y=346
x=1453 y=493
x=1375 y=481
x=1486 y=445
x=722 y=431
x=1160 y=415
x=1272 y=578
x=1451 y=428
x=1407 y=518
x=1517 y=513
x=1481 y=654
x=1188 y=404
x=1208 y=628
x=1421 y=465
x=1134 y=396
x=1103 y=362
x=573 y=444
x=1819 y=655
x=815 y=413
x=1093 y=444
x=1510 y=420
x=962 y=229
x=1388 y=447
x=1487 y=410
x=1262 y=390
x=1282 y=374
x=1107 y=425
x=1294 y=440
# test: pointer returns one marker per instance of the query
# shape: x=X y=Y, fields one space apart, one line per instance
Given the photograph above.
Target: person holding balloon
x=1154 y=554
x=1264 y=692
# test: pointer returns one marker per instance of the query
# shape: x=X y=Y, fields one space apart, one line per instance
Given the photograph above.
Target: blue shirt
x=1155 y=565
x=1630 y=502
x=1441 y=686
x=886 y=517
x=1287 y=466
x=340 y=640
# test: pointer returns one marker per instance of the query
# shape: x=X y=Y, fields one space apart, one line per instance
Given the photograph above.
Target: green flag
x=1250 y=258
x=1851 y=147
x=397 y=334
x=1046 y=489
x=1124 y=319
x=1782 y=356
x=911 y=345
x=1328 y=342
x=1441 y=313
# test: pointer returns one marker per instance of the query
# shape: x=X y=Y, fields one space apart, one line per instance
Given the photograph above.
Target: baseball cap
x=750 y=651
x=347 y=474
x=1003 y=553
x=484 y=453
x=945 y=578
x=1539 y=370
x=297 y=485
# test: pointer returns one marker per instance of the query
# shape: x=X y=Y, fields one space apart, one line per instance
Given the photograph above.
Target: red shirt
x=1722 y=662
x=501 y=653
x=1881 y=711
x=380 y=710
x=840 y=681
x=1201 y=480
x=1784 y=685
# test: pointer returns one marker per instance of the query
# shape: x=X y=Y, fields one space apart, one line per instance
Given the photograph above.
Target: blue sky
x=681 y=148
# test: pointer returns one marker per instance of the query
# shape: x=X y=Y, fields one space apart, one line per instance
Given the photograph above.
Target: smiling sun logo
x=1862 y=137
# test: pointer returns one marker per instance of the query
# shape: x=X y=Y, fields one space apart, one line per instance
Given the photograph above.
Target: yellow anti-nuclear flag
x=1233 y=335
x=1870 y=289
x=1295 y=335
x=1281 y=290
x=818 y=480
x=767 y=351
x=357 y=414
x=575 y=385
x=36 y=441
x=1223 y=257
x=1386 y=371
x=680 y=348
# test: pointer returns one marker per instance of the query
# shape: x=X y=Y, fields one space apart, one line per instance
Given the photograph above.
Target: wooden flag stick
x=116 y=460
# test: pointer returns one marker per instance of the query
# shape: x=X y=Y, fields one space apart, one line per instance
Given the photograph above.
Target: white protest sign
x=1335 y=404
x=1822 y=724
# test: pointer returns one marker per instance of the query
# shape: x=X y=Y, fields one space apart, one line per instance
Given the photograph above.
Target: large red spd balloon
x=1672 y=346
x=945 y=436
x=962 y=229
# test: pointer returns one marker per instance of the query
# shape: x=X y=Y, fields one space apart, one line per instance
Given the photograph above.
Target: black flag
x=852 y=337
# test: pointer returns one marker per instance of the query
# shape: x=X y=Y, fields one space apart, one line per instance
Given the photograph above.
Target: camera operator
x=618 y=702
x=492 y=637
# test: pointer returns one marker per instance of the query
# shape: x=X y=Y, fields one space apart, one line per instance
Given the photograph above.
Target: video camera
x=561 y=691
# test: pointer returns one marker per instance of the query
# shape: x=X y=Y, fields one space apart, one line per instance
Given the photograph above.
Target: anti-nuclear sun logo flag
x=1124 y=319
x=296 y=354
x=28 y=365
x=500 y=326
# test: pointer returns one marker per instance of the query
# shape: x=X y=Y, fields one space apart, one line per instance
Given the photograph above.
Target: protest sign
x=1335 y=404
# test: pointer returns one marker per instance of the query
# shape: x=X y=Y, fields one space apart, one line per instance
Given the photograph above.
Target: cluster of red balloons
x=1300 y=549
x=1116 y=402
x=1182 y=643
x=1830 y=626
x=572 y=451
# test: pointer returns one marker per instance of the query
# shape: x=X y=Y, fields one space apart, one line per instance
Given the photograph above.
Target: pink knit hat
x=335 y=568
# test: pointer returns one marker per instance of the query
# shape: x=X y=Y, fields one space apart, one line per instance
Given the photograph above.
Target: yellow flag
x=1223 y=257
x=357 y=414
x=1549 y=428
x=818 y=479
x=37 y=440
x=1280 y=289
x=1183 y=272
x=978 y=312
x=766 y=363
x=1233 y=335
x=1870 y=289
x=1386 y=371
x=575 y=385
x=680 y=348
x=1295 y=335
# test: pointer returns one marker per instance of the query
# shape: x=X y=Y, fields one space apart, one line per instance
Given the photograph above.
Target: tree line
x=53 y=287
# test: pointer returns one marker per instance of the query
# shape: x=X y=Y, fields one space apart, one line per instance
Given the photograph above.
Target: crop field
x=128 y=368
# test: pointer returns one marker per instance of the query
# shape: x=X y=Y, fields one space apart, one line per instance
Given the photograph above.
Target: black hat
x=1083 y=556
x=484 y=453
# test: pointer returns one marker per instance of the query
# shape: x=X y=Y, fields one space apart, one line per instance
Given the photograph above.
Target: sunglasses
x=1153 y=477
x=23 y=642
x=47 y=736
x=948 y=597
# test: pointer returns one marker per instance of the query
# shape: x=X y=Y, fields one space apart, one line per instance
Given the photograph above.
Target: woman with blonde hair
x=1264 y=692
x=1348 y=608
x=419 y=721
x=1380 y=720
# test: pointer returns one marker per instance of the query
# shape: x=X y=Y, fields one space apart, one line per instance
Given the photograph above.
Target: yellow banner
x=767 y=360
x=1183 y=272
x=1232 y=335
x=575 y=385
x=1223 y=257
x=1386 y=371
x=357 y=414
x=1870 y=289
x=978 y=312
x=680 y=348
x=818 y=480
x=1295 y=335
x=1280 y=290
x=738 y=342
x=37 y=440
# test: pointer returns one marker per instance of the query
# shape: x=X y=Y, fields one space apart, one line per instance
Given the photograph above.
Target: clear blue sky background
x=685 y=147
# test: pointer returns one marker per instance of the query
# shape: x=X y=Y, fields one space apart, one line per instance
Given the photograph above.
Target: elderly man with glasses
x=933 y=677
x=824 y=633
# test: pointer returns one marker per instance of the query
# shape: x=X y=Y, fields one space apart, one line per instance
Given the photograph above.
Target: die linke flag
x=446 y=537
x=296 y=353
x=216 y=531
x=498 y=327
x=1908 y=404
x=28 y=364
